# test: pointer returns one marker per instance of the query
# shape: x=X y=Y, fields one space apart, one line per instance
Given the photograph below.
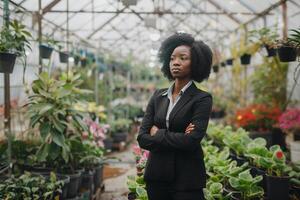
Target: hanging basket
x=63 y=57
x=216 y=68
x=45 y=51
x=287 y=54
x=229 y=61
x=271 y=51
x=7 y=62
x=245 y=59
x=83 y=62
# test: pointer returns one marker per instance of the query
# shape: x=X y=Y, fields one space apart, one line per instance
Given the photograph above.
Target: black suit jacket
x=175 y=157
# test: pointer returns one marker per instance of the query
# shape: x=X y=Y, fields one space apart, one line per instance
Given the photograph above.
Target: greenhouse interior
x=150 y=100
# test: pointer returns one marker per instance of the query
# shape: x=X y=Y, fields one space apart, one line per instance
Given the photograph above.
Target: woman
x=175 y=122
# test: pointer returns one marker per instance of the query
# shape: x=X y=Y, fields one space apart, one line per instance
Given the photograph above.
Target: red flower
x=279 y=154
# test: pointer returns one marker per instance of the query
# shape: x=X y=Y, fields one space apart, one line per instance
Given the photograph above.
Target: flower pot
x=223 y=64
x=7 y=62
x=45 y=51
x=277 y=187
x=63 y=57
x=271 y=51
x=245 y=59
x=229 y=61
x=295 y=151
x=64 y=190
x=98 y=176
x=119 y=137
x=278 y=137
x=108 y=144
x=74 y=184
x=83 y=62
x=287 y=54
x=216 y=68
x=87 y=182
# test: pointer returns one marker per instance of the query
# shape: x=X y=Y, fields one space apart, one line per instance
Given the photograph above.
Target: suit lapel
x=187 y=95
x=163 y=108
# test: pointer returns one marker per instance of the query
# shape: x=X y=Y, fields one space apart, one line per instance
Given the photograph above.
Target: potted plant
x=215 y=68
x=259 y=119
x=13 y=43
x=119 y=130
x=47 y=46
x=29 y=186
x=229 y=61
x=277 y=178
x=214 y=191
x=246 y=186
x=287 y=50
x=51 y=111
x=265 y=37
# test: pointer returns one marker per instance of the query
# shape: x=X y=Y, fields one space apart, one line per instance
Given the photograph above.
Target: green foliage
x=264 y=36
x=269 y=82
x=237 y=141
x=15 y=39
x=294 y=37
x=51 y=111
x=294 y=174
x=137 y=185
x=127 y=111
x=120 y=125
x=247 y=185
x=29 y=187
x=214 y=191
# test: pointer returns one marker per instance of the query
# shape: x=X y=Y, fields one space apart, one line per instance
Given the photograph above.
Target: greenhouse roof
x=129 y=26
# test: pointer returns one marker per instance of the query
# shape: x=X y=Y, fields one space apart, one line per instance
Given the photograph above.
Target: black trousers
x=165 y=191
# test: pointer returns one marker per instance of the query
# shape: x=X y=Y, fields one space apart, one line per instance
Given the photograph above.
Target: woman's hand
x=189 y=128
x=153 y=130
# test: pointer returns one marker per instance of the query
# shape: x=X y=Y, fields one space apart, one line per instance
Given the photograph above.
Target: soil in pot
x=7 y=62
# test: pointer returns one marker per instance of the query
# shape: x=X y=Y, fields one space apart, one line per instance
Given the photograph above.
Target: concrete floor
x=115 y=187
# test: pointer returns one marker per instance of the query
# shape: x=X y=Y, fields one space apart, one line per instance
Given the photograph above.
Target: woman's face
x=180 y=62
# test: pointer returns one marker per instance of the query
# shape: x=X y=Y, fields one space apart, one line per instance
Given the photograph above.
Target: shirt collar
x=170 y=89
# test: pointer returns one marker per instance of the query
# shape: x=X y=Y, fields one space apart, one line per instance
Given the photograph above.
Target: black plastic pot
x=216 y=68
x=287 y=54
x=98 y=176
x=74 y=184
x=108 y=144
x=119 y=137
x=87 y=182
x=271 y=51
x=277 y=187
x=245 y=59
x=229 y=61
x=63 y=57
x=7 y=62
x=83 y=62
x=45 y=51
x=66 y=180
x=223 y=64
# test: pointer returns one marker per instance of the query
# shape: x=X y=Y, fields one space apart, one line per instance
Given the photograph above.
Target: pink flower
x=85 y=134
x=137 y=150
x=146 y=154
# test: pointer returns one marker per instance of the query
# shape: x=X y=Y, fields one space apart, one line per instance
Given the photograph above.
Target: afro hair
x=201 y=56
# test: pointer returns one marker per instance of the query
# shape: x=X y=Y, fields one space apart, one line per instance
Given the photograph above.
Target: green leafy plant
x=264 y=36
x=294 y=174
x=14 y=39
x=28 y=187
x=294 y=37
x=120 y=125
x=214 y=191
x=137 y=185
x=237 y=141
x=247 y=185
x=51 y=111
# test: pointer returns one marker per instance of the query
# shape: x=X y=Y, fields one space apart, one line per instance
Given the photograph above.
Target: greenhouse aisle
x=120 y=166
